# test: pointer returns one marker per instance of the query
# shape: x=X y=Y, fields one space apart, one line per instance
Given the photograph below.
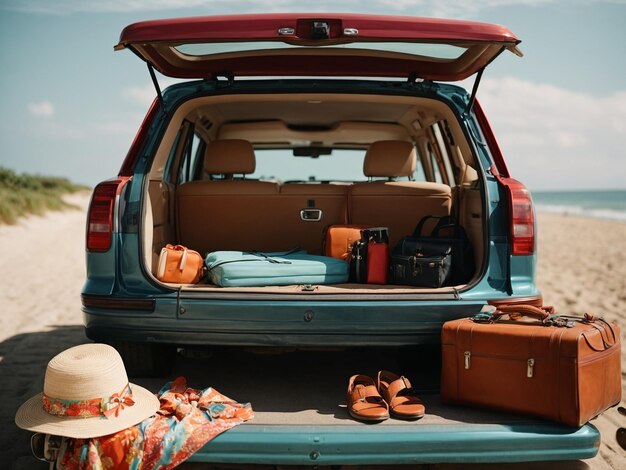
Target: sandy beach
x=582 y=268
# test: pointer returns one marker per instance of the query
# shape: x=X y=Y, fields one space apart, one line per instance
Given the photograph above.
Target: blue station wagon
x=288 y=124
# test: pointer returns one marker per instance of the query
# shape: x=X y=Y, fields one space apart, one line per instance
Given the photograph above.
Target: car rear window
x=282 y=165
x=423 y=50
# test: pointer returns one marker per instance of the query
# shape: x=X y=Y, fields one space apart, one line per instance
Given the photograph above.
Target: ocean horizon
x=597 y=204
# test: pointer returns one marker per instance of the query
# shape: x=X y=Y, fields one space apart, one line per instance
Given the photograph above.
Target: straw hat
x=86 y=394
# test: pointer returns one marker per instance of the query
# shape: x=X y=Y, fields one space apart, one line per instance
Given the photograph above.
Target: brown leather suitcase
x=339 y=239
x=568 y=373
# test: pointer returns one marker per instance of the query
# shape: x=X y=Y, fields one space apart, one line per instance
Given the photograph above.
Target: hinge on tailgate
x=229 y=76
x=413 y=80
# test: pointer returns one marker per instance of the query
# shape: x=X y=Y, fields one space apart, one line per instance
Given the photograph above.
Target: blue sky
x=70 y=106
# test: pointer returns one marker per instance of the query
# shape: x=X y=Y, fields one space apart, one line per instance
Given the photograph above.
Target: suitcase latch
x=468 y=356
x=416 y=269
x=529 y=368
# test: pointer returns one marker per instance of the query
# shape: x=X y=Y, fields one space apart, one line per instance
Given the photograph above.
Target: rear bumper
x=277 y=322
x=275 y=338
x=361 y=445
x=280 y=323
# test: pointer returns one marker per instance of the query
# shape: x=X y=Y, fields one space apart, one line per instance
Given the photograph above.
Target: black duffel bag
x=447 y=233
x=427 y=265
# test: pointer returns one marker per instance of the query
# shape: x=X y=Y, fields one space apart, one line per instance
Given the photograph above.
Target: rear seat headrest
x=390 y=158
x=229 y=156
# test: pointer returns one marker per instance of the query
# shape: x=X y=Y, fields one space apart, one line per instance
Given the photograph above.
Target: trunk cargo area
x=299 y=403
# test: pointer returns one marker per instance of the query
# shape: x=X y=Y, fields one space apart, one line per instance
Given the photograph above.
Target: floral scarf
x=188 y=419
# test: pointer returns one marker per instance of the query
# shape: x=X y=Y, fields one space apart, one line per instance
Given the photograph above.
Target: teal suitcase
x=246 y=269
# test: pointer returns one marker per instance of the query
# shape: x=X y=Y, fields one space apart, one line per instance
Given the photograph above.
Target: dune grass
x=24 y=194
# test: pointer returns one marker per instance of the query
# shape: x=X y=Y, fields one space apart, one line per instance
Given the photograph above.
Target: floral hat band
x=86 y=393
x=108 y=407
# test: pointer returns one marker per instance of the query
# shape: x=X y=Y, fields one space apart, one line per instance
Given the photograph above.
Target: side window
x=193 y=156
x=420 y=173
x=438 y=161
x=172 y=157
x=434 y=164
x=444 y=153
x=197 y=165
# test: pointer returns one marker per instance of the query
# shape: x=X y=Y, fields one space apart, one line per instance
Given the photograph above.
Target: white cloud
x=122 y=129
x=445 y=8
x=63 y=7
x=451 y=8
x=552 y=137
x=145 y=94
x=59 y=131
x=455 y=9
x=44 y=109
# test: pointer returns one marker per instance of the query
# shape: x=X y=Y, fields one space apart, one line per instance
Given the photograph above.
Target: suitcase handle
x=516 y=311
x=260 y=257
x=547 y=313
x=606 y=342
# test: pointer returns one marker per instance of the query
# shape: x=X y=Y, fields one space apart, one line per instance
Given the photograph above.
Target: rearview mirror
x=312 y=152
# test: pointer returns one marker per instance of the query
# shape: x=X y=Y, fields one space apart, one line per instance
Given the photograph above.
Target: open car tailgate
x=317 y=44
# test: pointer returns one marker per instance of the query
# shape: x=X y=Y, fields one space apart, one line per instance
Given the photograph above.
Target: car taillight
x=101 y=214
x=521 y=216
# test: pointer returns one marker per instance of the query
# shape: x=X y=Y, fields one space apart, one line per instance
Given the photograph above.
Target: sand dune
x=582 y=267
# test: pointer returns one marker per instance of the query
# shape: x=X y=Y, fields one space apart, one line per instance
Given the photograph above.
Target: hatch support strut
x=479 y=75
x=155 y=83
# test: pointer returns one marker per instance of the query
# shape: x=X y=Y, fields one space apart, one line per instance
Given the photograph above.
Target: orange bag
x=340 y=238
x=179 y=264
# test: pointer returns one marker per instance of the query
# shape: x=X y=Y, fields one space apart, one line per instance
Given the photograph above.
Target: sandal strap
x=365 y=392
x=397 y=386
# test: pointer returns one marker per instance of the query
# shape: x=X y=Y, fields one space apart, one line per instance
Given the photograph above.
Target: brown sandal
x=400 y=395
x=364 y=401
